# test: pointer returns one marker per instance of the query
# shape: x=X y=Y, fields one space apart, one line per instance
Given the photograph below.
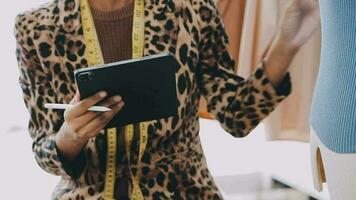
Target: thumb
x=76 y=98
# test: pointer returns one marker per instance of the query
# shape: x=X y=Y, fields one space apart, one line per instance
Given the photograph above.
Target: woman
x=50 y=46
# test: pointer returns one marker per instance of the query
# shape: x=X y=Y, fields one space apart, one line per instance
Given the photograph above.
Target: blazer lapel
x=69 y=40
x=68 y=19
x=64 y=33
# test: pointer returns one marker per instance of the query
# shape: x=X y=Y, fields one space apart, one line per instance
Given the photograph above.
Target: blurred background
x=272 y=163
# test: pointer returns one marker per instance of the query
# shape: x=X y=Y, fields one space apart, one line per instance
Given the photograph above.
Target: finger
x=92 y=128
x=111 y=101
x=75 y=99
x=89 y=116
x=83 y=106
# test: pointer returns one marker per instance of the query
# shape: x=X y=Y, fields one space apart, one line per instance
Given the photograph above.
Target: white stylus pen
x=66 y=106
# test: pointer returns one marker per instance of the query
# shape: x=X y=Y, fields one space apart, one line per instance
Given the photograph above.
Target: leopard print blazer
x=50 y=47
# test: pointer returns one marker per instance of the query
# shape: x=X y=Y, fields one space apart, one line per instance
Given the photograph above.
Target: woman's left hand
x=300 y=20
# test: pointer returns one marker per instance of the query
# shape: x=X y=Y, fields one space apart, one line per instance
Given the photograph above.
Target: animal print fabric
x=50 y=47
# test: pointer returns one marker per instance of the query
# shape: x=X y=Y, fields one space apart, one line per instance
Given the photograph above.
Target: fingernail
x=121 y=104
x=117 y=98
x=102 y=94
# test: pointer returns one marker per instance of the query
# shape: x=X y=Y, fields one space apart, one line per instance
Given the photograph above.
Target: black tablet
x=147 y=86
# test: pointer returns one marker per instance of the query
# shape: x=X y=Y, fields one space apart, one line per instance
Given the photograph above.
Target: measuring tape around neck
x=95 y=57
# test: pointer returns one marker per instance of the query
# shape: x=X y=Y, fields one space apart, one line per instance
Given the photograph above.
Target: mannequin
x=333 y=115
x=336 y=169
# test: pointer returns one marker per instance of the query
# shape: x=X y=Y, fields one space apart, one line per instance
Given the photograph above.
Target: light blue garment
x=333 y=115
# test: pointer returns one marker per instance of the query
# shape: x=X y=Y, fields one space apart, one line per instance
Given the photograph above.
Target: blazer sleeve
x=37 y=90
x=239 y=104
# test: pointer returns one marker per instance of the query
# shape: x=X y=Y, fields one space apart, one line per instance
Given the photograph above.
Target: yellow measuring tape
x=95 y=57
x=136 y=193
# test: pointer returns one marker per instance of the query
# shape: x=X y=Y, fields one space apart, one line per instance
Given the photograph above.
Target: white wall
x=20 y=177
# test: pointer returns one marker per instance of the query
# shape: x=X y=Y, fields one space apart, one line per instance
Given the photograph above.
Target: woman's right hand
x=80 y=124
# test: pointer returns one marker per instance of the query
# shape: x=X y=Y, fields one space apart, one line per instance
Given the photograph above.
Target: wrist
x=277 y=61
x=69 y=144
x=68 y=135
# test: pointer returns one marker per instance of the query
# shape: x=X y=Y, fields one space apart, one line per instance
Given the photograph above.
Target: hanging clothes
x=251 y=26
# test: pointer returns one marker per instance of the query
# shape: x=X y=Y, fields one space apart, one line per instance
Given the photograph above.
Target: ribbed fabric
x=114 y=30
x=333 y=114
